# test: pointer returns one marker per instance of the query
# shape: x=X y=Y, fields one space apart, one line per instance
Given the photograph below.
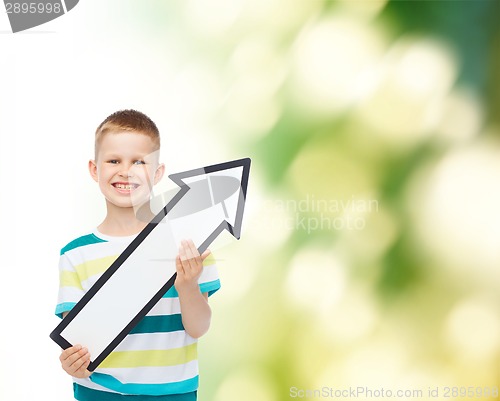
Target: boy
x=157 y=361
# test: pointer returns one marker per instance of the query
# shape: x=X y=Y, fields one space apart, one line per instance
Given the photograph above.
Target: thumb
x=205 y=254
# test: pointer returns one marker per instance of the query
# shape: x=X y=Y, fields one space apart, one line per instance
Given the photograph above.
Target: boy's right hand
x=75 y=361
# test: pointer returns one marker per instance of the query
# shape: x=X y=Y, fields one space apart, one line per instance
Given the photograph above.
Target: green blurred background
x=371 y=250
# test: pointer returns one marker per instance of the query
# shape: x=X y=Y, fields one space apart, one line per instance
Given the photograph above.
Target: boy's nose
x=126 y=173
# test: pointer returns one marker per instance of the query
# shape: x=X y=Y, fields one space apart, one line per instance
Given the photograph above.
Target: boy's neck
x=120 y=221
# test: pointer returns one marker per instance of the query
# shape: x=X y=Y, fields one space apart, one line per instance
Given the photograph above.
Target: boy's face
x=126 y=168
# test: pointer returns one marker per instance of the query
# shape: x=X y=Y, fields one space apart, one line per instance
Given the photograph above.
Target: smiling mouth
x=127 y=187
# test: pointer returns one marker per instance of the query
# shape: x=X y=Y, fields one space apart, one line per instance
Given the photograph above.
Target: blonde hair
x=127 y=120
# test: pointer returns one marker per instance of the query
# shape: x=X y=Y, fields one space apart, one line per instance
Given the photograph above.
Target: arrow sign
x=209 y=201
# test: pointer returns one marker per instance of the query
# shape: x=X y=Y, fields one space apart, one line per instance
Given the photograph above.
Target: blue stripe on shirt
x=82 y=241
x=64 y=307
x=211 y=287
x=158 y=324
x=184 y=386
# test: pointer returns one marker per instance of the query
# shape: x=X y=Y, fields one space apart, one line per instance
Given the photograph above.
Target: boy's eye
x=113 y=161
x=139 y=162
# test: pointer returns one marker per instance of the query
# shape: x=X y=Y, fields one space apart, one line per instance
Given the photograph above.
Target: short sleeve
x=209 y=280
x=70 y=287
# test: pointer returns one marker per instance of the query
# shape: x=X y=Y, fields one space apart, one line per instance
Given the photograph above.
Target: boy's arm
x=195 y=311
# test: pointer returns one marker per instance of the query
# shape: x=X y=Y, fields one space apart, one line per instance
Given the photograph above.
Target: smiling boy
x=157 y=361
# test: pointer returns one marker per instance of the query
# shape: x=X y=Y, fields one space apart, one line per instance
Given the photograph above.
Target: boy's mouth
x=125 y=186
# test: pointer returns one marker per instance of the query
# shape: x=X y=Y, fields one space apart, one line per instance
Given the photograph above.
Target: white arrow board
x=209 y=201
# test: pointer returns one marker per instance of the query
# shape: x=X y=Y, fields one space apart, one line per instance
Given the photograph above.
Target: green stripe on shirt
x=87 y=394
x=158 y=324
x=82 y=241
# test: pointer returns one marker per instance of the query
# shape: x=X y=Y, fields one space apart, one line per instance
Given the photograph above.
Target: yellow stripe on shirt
x=169 y=357
x=96 y=266
x=69 y=279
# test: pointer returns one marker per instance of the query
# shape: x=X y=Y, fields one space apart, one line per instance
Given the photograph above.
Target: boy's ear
x=159 y=173
x=93 y=170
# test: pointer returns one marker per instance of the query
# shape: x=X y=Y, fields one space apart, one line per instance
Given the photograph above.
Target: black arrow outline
x=178 y=178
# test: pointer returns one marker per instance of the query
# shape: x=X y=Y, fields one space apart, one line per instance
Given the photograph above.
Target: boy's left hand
x=189 y=266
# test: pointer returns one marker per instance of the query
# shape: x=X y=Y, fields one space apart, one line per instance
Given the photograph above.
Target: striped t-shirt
x=158 y=357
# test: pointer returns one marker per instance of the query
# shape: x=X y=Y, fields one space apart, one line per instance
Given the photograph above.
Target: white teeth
x=123 y=186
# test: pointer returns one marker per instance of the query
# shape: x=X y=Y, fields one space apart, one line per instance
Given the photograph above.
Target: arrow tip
x=234 y=206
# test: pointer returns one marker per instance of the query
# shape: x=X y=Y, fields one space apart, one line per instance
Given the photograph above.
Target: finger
x=193 y=256
x=182 y=252
x=72 y=358
x=194 y=250
x=69 y=351
x=205 y=254
x=178 y=265
x=79 y=364
x=76 y=360
x=186 y=261
x=82 y=370
x=187 y=248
